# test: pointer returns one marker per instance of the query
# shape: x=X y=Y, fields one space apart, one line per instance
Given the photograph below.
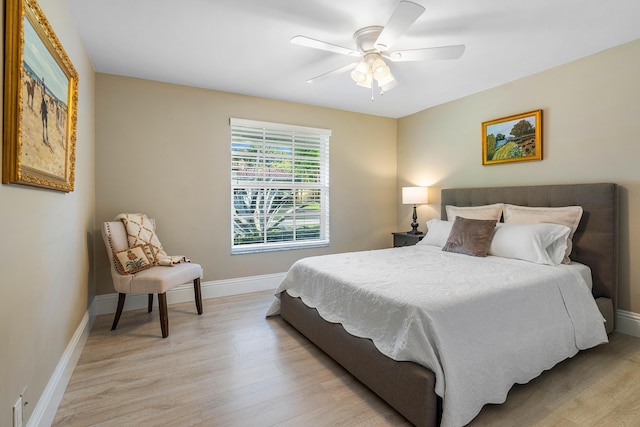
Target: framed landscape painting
x=40 y=102
x=512 y=139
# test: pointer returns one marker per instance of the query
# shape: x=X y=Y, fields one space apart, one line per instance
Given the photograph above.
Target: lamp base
x=414 y=224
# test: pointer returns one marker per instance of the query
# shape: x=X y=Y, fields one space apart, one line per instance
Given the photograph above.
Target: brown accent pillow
x=470 y=236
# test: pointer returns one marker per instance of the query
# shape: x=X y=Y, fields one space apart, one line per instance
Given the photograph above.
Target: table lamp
x=415 y=196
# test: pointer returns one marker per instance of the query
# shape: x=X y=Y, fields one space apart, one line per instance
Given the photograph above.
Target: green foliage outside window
x=264 y=214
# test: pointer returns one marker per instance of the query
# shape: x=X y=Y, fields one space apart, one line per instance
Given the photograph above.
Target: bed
x=410 y=387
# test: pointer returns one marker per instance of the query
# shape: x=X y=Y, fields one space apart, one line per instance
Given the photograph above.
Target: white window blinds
x=279 y=186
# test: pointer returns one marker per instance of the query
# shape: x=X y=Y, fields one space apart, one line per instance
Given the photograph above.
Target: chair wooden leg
x=150 y=303
x=116 y=319
x=164 y=319
x=197 y=290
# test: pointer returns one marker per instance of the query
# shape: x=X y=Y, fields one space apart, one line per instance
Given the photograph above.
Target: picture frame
x=516 y=138
x=40 y=102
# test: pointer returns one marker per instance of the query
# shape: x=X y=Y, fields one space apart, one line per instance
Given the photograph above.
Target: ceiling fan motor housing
x=366 y=38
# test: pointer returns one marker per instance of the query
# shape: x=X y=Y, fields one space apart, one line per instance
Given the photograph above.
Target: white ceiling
x=242 y=46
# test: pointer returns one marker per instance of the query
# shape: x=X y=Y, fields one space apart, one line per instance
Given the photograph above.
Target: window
x=279 y=186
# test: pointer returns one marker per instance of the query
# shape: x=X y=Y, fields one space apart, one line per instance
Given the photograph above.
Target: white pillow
x=568 y=216
x=539 y=243
x=437 y=233
x=475 y=212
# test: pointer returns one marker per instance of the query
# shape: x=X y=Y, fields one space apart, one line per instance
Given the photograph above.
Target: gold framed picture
x=40 y=102
x=515 y=138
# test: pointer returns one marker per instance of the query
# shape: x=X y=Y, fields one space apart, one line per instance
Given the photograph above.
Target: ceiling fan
x=373 y=44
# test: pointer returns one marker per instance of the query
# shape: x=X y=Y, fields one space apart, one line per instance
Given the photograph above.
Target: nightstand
x=402 y=238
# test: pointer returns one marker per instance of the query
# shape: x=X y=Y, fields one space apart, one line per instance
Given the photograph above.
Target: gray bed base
x=409 y=387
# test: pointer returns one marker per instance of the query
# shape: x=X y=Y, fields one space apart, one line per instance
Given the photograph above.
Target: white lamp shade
x=380 y=69
x=360 y=74
x=415 y=195
x=366 y=82
x=387 y=83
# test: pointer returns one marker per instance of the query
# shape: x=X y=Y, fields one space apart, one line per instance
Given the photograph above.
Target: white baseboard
x=107 y=304
x=47 y=406
x=628 y=323
x=45 y=411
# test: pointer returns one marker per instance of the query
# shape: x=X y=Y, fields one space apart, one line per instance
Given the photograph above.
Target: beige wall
x=46 y=281
x=591 y=110
x=164 y=150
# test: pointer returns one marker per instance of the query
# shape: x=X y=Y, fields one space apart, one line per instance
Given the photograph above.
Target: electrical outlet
x=17 y=413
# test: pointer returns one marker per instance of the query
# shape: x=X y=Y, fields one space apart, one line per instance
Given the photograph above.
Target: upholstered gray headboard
x=595 y=242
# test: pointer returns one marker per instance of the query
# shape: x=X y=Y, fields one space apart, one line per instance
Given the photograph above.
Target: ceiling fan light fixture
x=387 y=84
x=380 y=69
x=361 y=74
x=386 y=79
x=367 y=83
x=372 y=68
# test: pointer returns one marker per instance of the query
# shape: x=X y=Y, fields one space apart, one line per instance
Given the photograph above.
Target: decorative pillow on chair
x=150 y=251
x=133 y=259
x=470 y=236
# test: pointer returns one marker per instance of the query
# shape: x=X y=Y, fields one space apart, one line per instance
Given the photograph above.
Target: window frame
x=263 y=135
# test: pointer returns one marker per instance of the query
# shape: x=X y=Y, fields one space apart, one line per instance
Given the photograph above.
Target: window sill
x=252 y=249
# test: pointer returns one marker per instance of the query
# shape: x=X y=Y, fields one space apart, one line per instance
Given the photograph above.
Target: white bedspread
x=480 y=324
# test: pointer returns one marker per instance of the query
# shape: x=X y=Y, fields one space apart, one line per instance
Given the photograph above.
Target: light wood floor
x=233 y=367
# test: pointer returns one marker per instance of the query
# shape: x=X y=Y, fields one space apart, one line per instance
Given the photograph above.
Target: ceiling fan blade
x=317 y=44
x=405 y=14
x=432 y=53
x=340 y=70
